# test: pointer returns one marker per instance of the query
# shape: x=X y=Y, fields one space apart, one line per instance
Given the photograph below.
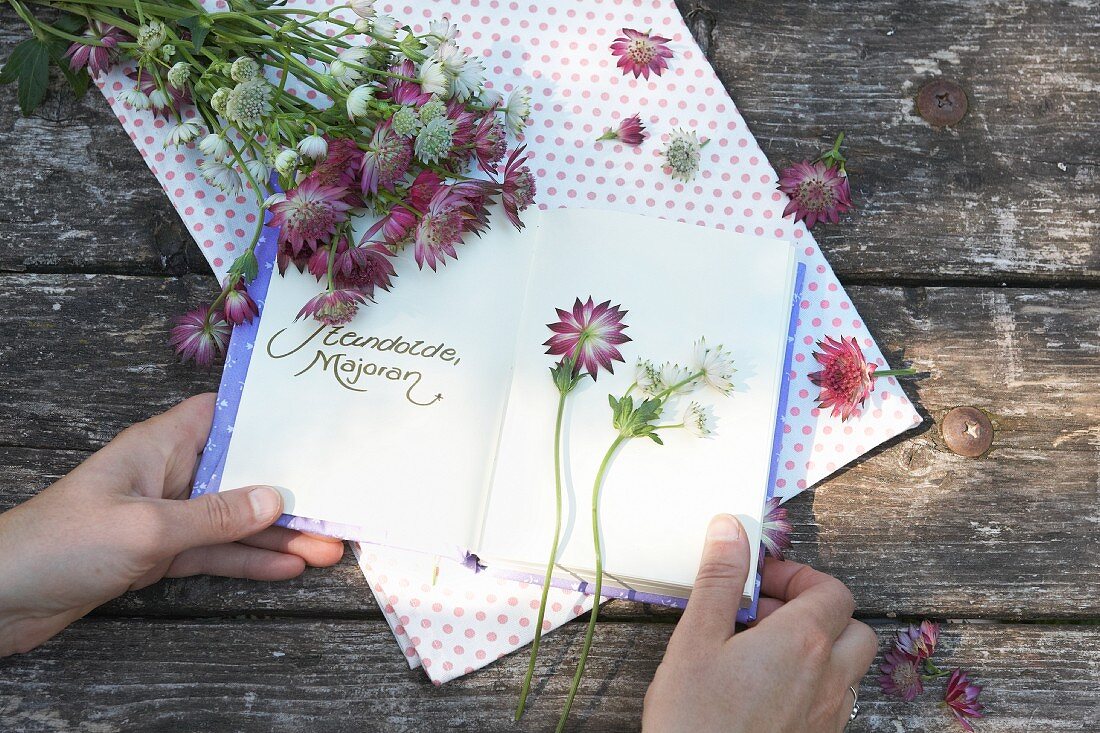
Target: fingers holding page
x=719 y=585
x=234 y=560
x=809 y=596
x=317 y=551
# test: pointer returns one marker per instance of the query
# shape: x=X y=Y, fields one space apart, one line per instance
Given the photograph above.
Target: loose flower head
x=183 y=133
x=714 y=365
x=699 y=420
x=517 y=109
x=518 y=189
x=200 y=336
x=846 y=378
x=309 y=215
x=818 y=192
x=901 y=675
x=641 y=53
x=588 y=336
x=96 y=58
x=630 y=131
x=961 y=698
x=776 y=529
x=682 y=155
x=333 y=307
x=919 y=641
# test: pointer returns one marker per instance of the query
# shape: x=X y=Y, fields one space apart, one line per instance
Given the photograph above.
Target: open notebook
x=427 y=422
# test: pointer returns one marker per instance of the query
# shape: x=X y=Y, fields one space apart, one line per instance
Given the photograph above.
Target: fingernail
x=724 y=528
x=266 y=503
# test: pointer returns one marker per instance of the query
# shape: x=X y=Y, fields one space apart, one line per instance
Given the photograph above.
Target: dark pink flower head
x=364 y=268
x=641 y=53
x=961 y=697
x=405 y=92
x=588 y=336
x=440 y=228
x=477 y=196
x=518 y=188
x=333 y=307
x=776 y=529
x=846 y=379
x=164 y=104
x=919 y=641
x=901 y=675
x=200 y=336
x=238 y=306
x=340 y=167
x=96 y=58
x=385 y=161
x=630 y=131
x=818 y=191
x=490 y=142
x=309 y=215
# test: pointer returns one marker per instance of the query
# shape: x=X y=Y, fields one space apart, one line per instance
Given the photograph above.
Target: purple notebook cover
x=212 y=461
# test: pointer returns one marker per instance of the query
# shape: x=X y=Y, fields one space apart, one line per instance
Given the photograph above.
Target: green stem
x=526 y=689
x=896 y=372
x=599 y=581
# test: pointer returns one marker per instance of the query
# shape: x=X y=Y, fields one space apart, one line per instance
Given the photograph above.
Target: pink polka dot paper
x=560 y=50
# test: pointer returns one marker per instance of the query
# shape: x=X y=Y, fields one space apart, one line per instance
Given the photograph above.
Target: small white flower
x=359 y=101
x=433 y=77
x=714 y=365
x=214 y=146
x=647 y=376
x=440 y=31
x=355 y=54
x=244 y=69
x=699 y=420
x=682 y=155
x=406 y=122
x=362 y=25
x=276 y=198
x=314 y=147
x=258 y=170
x=451 y=56
x=134 y=97
x=159 y=99
x=362 y=8
x=151 y=36
x=287 y=160
x=467 y=82
x=385 y=27
x=222 y=175
x=517 y=109
x=434 y=141
x=673 y=374
x=219 y=99
x=490 y=98
x=182 y=134
x=179 y=74
x=249 y=103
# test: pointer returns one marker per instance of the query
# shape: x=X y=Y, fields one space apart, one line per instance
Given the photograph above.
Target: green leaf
x=200 y=28
x=246 y=267
x=79 y=79
x=71 y=24
x=33 y=74
x=18 y=57
x=656 y=439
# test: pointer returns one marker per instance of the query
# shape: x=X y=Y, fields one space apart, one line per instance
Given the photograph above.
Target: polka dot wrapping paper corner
x=561 y=50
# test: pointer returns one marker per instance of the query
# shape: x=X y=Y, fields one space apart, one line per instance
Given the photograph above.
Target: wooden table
x=974 y=254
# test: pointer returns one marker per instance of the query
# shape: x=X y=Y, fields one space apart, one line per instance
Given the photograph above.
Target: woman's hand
x=116 y=523
x=789 y=673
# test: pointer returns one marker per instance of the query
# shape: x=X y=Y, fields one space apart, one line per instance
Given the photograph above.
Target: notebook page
x=389 y=422
x=678 y=282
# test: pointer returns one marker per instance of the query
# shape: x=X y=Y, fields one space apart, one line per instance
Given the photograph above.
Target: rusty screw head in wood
x=967 y=431
x=942 y=103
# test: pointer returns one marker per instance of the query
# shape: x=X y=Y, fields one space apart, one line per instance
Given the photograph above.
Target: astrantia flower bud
x=159 y=99
x=182 y=134
x=134 y=98
x=214 y=146
x=362 y=25
x=434 y=141
x=151 y=36
x=276 y=198
x=238 y=306
x=257 y=169
x=434 y=107
x=219 y=99
x=385 y=27
x=314 y=147
x=406 y=122
x=249 y=103
x=286 y=161
x=362 y=8
x=244 y=69
x=179 y=74
x=433 y=77
x=359 y=101
x=166 y=52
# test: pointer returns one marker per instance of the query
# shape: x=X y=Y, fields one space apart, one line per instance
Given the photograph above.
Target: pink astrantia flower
x=340 y=167
x=961 y=697
x=518 y=188
x=588 y=335
x=776 y=529
x=440 y=228
x=405 y=92
x=641 y=53
x=238 y=306
x=96 y=58
x=363 y=268
x=901 y=675
x=333 y=307
x=630 y=131
x=200 y=336
x=919 y=641
x=846 y=379
x=818 y=191
x=309 y=215
x=385 y=161
x=489 y=142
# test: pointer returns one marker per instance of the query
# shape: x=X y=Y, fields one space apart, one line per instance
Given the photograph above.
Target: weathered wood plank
x=336 y=676
x=1010 y=195
x=907 y=528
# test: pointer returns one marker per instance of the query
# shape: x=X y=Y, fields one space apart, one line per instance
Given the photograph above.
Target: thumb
x=217 y=518
x=716 y=596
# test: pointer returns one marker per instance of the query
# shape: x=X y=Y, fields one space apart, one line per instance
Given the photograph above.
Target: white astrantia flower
x=313 y=147
x=134 y=97
x=214 y=146
x=434 y=141
x=451 y=56
x=467 y=82
x=490 y=98
x=258 y=170
x=440 y=31
x=714 y=365
x=434 y=107
x=151 y=36
x=676 y=378
x=159 y=99
x=406 y=121
x=345 y=67
x=517 y=109
x=363 y=8
x=244 y=69
x=276 y=198
x=682 y=155
x=181 y=134
x=385 y=27
x=647 y=376
x=219 y=99
x=699 y=420
x=179 y=74
x=433 y=77
x=287 y=160
x=359 y=101
x=222 y=175
x=249 y=103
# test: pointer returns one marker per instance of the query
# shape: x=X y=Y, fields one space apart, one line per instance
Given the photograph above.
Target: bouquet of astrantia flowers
x=403 y=130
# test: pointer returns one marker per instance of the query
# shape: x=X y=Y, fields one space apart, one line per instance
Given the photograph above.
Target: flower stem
x=599 y=580
x=896 y=372
x=526 y=689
